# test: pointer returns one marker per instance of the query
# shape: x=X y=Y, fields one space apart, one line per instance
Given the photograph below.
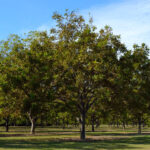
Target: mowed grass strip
x=105 y=138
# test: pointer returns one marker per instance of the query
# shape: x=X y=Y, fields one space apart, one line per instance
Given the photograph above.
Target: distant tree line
x=73 y=75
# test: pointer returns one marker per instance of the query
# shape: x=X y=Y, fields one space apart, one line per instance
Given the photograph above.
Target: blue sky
x=130 y=18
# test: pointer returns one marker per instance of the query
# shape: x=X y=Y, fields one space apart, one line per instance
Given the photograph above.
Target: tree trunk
x=63 y=123
x=124 y=125
x=93 y=129
x=32 y=131
x=32 y=120
x=82 y=135
x=139 y=125
x=41 y=123
x=7 y=124
x=117 y=124
x=97 y=124
x=143 y=124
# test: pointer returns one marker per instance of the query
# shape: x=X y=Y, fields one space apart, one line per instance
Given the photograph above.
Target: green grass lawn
x=48 y=138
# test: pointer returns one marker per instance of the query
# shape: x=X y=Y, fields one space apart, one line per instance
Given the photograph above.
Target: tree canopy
x=74 y=73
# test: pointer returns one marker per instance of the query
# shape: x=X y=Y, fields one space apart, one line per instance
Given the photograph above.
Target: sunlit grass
x=52 y=138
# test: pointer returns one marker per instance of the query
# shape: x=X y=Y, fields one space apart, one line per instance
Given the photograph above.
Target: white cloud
x=130 y=19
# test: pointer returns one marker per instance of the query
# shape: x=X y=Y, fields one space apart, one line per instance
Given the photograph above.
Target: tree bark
x=82 y=134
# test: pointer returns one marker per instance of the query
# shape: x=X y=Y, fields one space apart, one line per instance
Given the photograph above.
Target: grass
x=48 y=138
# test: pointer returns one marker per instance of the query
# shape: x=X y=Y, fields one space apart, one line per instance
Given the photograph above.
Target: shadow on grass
x=115 y=134
x=72 y=145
